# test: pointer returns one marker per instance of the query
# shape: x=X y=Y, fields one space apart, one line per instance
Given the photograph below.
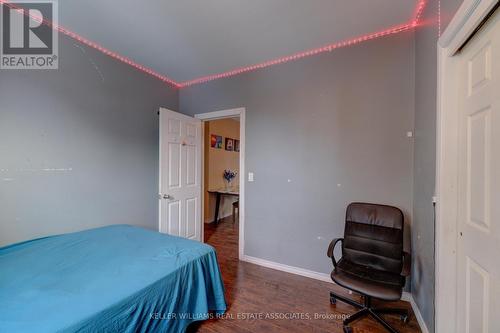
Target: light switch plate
x=250 y=176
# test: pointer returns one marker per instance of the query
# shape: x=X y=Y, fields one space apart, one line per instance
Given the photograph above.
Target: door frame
x=468 y=18
x=221 y=114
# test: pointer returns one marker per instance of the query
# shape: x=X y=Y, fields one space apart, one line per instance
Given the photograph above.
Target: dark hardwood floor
x=253 y=291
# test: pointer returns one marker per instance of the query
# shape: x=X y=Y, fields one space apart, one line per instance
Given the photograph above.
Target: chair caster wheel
x=333 y=300
x=347 y=329
x=405 y=319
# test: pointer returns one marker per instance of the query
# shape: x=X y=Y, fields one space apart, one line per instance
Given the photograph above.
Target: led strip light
x=93 y=45
x=420 y=9
x=327 y=48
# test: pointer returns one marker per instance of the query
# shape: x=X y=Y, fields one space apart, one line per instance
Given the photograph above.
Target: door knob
x=166 y=196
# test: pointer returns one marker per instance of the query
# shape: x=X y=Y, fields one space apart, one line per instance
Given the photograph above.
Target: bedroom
x=337 y=103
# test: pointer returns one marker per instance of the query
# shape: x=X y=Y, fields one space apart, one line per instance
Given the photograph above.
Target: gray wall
x=96 y=118
x=79 y=146
x=426 y=38
x=337 y=118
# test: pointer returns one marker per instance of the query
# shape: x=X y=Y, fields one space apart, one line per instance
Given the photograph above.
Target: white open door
x=478 y=255
x=180 y=175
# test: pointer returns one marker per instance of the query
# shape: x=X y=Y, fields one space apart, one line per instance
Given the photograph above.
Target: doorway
x=223 y=185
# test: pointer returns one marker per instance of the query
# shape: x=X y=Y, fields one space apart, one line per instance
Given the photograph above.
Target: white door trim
x=469 y=16
x=238 y=112
x=220 y=114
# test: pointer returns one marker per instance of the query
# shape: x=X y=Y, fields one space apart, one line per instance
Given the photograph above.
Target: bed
x=112 y=279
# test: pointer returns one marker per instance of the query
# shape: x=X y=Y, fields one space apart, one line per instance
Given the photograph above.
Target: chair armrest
x=331 y=247
x=406 y=264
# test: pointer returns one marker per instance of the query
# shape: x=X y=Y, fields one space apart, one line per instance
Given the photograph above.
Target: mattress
x=112 y=279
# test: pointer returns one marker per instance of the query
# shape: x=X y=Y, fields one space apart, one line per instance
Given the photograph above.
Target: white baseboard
x=326 y=278
x=286 y=268
x=418 y=315
x=406 y=296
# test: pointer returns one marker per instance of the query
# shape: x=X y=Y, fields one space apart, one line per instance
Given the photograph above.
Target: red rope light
x=327 y=48
x=94 y=45
x=296 y=56
x=418 y=14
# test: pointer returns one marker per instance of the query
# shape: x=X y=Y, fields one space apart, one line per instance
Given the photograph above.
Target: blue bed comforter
x=111 y=279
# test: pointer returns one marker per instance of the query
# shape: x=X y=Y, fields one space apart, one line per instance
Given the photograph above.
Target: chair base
x=367 y=310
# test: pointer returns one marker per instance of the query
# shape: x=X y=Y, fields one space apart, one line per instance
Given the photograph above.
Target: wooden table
x=231 y=191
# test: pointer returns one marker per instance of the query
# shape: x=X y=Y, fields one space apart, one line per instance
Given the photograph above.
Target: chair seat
x=368 y=281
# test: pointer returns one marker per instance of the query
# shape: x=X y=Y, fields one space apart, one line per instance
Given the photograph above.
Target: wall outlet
x=250 y=176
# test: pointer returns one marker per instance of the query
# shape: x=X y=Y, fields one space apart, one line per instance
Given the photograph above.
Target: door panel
x=191 y=165
x=478 y=177
x=480 y=68
x=191 y=213
x=180 y=174
x=174 y=163
x=174 y=126
x=478 y=251
x=174 y=217
x=191 y=131
x=477 y=294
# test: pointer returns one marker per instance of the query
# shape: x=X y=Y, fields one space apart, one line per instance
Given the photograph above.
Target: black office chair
x=373 y=262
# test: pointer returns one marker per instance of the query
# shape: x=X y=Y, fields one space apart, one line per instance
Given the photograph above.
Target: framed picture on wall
x=236 y=145
x=216 y=141
x=229 y=144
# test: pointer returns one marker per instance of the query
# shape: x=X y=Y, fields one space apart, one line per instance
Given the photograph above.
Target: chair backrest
x=373 y=236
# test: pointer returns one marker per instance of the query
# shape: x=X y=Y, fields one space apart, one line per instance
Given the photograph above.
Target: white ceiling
x=186 y=39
